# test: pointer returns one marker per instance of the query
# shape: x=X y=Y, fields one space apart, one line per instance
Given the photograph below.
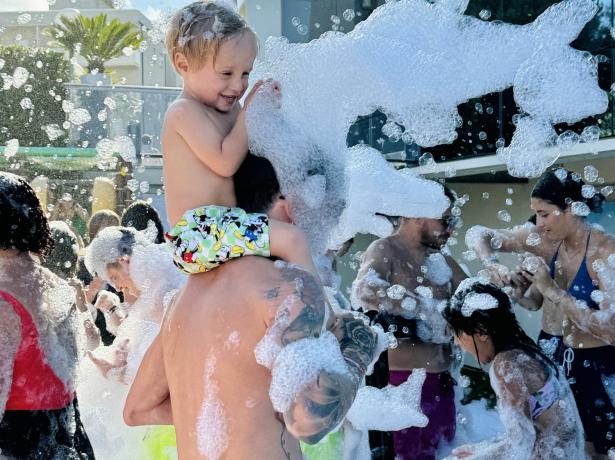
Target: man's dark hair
x=256 y=184
x=63 y=259
x=139 y=214
x=23 y=225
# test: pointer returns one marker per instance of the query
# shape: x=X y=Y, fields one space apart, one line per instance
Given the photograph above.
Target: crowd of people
x=220 y=338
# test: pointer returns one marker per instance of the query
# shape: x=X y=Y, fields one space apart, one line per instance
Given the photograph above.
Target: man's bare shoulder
x=379 y=247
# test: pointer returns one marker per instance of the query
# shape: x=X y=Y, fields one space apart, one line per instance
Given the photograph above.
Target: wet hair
x=101 y=219
x=23 y=225
x=63 y=259
x=256 y=184
x=561 y=187
x=138 y=216
x=199 y=29
x=499 y=323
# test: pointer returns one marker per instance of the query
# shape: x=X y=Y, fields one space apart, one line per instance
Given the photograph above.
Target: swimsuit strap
x=554 y=259
x=587 y=244
x=548 y=395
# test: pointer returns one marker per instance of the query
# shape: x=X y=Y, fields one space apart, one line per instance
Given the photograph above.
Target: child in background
x=205 y=140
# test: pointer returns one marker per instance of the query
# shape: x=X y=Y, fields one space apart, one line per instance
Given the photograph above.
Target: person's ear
x=181 y=63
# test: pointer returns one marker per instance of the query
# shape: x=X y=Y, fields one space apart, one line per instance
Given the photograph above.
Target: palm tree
x=95 y=39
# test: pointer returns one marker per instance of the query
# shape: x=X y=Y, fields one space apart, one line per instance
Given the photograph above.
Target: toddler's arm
x=222 y=154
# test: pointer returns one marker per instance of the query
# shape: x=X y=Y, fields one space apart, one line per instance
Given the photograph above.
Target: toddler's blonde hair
x=198 y=30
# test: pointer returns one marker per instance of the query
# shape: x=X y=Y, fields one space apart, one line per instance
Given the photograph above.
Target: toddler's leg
x=288 y=242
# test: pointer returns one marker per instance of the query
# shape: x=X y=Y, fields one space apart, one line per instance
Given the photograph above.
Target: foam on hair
x=198 y=30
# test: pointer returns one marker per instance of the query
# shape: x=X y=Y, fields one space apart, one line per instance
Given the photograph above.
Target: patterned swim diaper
x=208 y=236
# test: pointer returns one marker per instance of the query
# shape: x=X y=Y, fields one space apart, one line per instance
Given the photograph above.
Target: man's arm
x=313 y=409
x=148 y=401
x=322 y=405
x=372 y=281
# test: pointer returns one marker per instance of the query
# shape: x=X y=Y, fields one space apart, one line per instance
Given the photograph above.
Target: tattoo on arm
x=323 y=404
x=304 y=307
x=357 y=342
x=283 y=442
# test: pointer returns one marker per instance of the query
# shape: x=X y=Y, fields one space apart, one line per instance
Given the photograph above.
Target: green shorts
x=208 y=236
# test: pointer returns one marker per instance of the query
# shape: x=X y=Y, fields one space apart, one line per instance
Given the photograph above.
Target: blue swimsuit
x=587 y=369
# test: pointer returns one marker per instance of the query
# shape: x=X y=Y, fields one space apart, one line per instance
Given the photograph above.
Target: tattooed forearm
x=321 y=407
x=357 y=341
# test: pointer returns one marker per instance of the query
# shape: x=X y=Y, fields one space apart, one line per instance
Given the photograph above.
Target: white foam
x=444 y=54
x=391 y=408
x=299 y=363
x=475 y=301
x=212 y=426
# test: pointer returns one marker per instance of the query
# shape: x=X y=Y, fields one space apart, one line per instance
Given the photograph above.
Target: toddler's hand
x=270 y=87
x=252 y=92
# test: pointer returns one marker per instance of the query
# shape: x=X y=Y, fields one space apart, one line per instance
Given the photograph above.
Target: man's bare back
x=184 y=172
x=201 y=372
x=208 y=338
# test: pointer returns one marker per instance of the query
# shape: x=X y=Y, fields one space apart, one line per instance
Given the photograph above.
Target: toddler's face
x=221 y=85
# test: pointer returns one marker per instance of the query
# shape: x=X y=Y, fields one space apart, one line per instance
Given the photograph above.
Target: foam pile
x=444 y=54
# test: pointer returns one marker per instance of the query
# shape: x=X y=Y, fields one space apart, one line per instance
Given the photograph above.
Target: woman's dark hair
x=23 y=225
x=63 y=259
x=499 y=323
x=139 y=214
x=256 y=184
x=562 y=187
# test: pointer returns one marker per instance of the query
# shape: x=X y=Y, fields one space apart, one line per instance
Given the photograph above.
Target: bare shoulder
x=183 y=107
x=379 y=247
x=517 y=369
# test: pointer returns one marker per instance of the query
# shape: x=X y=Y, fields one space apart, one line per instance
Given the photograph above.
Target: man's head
x=257 y=189
x=213 y=49
x=433 y=233
x=100 y=220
